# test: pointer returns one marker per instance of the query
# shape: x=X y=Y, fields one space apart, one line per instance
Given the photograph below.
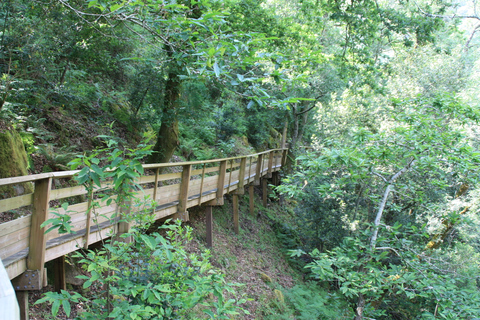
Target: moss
x=13 y=163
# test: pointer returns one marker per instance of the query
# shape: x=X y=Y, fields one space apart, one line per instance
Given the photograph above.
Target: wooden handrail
x=24 y=246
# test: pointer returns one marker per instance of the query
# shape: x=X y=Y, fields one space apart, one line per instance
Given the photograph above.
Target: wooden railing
x=174 y=187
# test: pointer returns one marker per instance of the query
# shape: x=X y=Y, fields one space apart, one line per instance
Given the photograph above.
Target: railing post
x=155 y=189
x=184 y=187
x=241 y=176
x=284 y=157
x=222 y=171
x=89 y=218
x=38 y=239
x=258 y=174
x=32 y=279
x=230 y=176
x=201 y=185
x=124 y=225
x=270 y=164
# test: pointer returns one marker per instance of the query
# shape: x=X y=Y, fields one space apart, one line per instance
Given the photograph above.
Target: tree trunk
x=168 y=139
x=359 y=308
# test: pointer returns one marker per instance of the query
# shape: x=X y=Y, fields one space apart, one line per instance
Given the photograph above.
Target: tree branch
x=386 y=193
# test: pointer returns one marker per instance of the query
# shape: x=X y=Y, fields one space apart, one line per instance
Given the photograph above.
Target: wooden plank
x=14 y=237
x=207 y=170
x=14 y=247
x=67 y=192
x=236 y=225
x=14 y=225
x=16 y=268
x=36 y=254
x=209 y=225
x=16 y=202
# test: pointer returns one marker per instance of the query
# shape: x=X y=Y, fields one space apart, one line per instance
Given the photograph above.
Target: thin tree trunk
x=386 y=193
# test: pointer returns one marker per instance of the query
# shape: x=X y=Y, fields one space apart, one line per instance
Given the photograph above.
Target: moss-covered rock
x=13 y=163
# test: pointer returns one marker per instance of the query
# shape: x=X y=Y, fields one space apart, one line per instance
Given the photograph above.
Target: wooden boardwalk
x=175 y=187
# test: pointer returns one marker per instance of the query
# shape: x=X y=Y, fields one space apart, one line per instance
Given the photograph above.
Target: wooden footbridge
x=174 y=187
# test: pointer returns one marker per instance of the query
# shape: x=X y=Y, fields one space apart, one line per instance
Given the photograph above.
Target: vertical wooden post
x=124 y=225
x=89 y=218
x=209 y=222
x=258 y=174
x=270 y=164
x=201 y=185
x=38 y=239
x=221 y=183
x=241 y=176
x=250 y=169
x=284 y=157
x=276 y=178
x=236 y=225
x=184 y=186
x=264 y=192
x=230 y=176
x=251 y=199
x=59 y=274
x=155 y=189
x=22 y=298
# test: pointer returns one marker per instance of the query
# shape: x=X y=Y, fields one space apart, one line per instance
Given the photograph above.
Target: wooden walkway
x=175 y=187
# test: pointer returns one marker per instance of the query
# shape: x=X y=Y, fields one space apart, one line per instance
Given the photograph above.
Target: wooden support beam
x=89 y=218
x=184 y=186
x=209 y=222
x=22 y=298
x=38 y=239
x=201 y=185
x=251 y=199
x=241 y=176
x=222 y=172
x=270 y=164
x=276 y=178
x=258 y=174
x=59 y=274
x=284 y=157
x=230 y=176
x=125 y=224
x=155 y=188
x=236 y=224
x=264 y=192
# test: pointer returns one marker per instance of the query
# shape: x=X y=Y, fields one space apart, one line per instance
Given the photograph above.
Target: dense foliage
x=383 y=95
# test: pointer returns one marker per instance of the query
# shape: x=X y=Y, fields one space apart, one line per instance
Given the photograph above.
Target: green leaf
x=66 y=307
x=217 y=69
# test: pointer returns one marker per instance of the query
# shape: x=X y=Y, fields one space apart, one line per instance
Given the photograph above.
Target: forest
x=376 y=214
